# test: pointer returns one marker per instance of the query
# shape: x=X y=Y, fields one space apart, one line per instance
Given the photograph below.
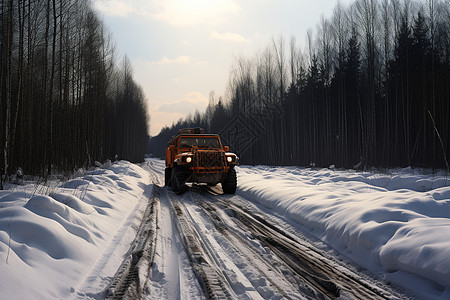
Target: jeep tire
x=230 y=182
x=167 y=176
x=178 y=180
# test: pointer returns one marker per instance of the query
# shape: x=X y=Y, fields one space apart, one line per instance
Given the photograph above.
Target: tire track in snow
x=275 y=272
x=172 y=276
x=235 y=253
x=328 y=277
x=211 y=279
x=153 y=268
x=228 y=265
x=131 y=278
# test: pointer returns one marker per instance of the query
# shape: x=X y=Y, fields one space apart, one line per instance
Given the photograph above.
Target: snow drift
x=393 y=223
x=49 y=242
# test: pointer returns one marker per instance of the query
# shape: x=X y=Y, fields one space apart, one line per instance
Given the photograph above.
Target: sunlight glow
x=114 y=7
x=178 y=13
x=194 y=12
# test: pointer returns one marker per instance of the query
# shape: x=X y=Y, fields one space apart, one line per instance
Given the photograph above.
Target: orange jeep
x=193 y=156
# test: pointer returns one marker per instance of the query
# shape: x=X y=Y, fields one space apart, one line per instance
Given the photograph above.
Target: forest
x=67 y=99
x=369 y=87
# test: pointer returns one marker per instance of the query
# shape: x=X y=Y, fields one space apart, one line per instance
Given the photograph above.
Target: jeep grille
x=209 y=161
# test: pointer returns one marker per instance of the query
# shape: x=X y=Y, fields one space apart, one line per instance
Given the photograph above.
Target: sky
x=181 y=50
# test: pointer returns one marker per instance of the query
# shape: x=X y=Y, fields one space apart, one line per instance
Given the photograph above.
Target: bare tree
x=57 y=71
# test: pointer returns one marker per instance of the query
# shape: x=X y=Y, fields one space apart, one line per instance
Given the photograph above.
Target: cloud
x=115 y=8
x=228 y=37
x=189 y=103
x=179 y=13
x=182 y=59
x=184 y=13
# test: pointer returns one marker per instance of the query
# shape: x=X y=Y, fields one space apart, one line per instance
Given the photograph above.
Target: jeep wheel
x=178 y=180
x=167 y=176
x=229 y=184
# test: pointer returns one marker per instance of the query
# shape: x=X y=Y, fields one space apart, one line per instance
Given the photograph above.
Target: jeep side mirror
x=171 y=147
x=226 y=149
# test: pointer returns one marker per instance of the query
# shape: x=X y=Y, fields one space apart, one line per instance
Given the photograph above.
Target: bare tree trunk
x=281 y=133
x=50 y=92
x=2 y=64
x=9 y=44
x=21 y=21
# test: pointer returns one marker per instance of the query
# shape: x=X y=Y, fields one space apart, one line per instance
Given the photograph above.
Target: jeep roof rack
x=196 y=130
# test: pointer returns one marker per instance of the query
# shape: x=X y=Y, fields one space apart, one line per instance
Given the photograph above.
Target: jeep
x=196 y=157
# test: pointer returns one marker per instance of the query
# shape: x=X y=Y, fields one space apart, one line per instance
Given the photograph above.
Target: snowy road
x=208 y=245
x=288 y=233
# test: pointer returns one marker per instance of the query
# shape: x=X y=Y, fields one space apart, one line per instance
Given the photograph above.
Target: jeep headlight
x=188 y=159
x=229 y=159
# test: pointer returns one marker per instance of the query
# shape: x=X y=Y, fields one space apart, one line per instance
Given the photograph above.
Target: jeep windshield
x=200 y=142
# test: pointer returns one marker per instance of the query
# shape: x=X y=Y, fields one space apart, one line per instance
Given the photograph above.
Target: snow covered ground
x=67 y=241
x=396 y=225
x=70 y=235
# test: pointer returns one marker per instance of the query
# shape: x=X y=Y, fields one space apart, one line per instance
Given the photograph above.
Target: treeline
x=371 y=88
x=65 y=100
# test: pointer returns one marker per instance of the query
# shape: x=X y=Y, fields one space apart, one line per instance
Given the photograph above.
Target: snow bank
x=386 y=223
x=49 y=242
